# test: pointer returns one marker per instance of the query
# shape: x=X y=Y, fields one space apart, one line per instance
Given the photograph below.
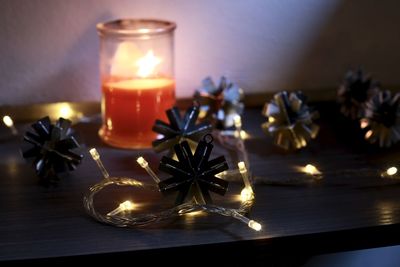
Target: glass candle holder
x=137 y=78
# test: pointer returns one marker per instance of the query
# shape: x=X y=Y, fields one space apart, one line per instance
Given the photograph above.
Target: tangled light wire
x=120 y=216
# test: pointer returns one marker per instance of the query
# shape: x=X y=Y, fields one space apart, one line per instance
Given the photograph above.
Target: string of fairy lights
x=310 y=169
x=124 y=216
x=121 y=216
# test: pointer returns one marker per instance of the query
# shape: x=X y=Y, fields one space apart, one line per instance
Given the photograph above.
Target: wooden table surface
x=350 y=208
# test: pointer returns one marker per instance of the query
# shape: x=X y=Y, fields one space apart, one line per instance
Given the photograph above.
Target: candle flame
x=147 y=64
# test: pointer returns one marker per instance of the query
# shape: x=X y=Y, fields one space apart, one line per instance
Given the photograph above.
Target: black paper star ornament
x=51 y=148
x=355 y=91
x=382 y=119
x=220 y=104
x=179 y=128
x=290 y=120
x=193 y=175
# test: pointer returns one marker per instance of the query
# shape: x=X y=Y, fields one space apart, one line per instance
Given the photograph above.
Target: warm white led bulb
x=145 y=165
x=368 y=134
x=10 y=124
x=311 y=169
x=245 y=175
x=65 y=111
x=364 y=123
x=142 y=162
x=126 y=205
x=246 y=194
x=238 y=121
x=244 y=135
x=8 y=121
x=93 y=152
x=96 y=157
x=242 y=167
x=255 y=225
x=391 y=171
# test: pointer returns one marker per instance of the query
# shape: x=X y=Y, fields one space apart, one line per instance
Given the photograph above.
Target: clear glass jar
x=137 y=78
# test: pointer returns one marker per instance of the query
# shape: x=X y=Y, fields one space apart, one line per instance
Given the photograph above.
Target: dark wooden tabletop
x=350 y=208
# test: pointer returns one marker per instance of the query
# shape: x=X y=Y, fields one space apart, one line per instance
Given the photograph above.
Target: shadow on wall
x=80 y=62
x=359 y=33
x=49 y=48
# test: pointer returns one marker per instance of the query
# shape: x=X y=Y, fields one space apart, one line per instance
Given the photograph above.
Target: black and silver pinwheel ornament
x=179 y=129
x=220 y=104
x=382 y=119
x=355 y=91
x=193 y=175
x=52 y=149
x=290 y=120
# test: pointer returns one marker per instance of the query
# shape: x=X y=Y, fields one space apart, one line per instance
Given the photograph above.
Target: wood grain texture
x=351 y=208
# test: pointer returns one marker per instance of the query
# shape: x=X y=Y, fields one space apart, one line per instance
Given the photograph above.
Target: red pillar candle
x=137 y=80
x=130 y=108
